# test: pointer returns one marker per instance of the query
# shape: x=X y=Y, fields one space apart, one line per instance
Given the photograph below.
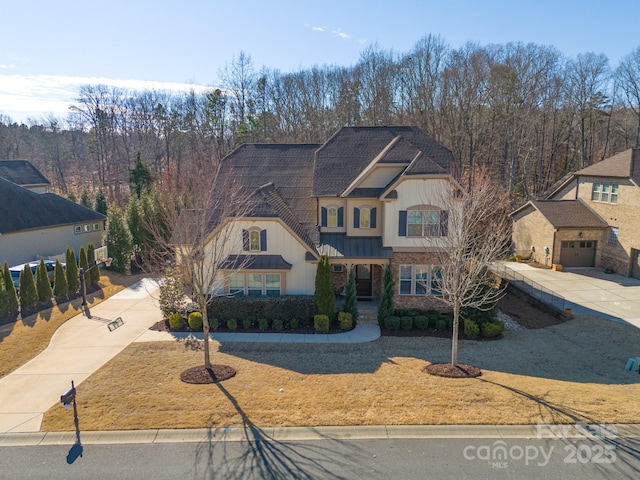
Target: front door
x=363 y=280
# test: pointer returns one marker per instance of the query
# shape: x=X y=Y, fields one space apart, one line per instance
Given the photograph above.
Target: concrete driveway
x=587 y=291
x=77 y=349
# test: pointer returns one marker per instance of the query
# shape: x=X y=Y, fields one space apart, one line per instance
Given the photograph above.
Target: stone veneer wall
x=414 y=301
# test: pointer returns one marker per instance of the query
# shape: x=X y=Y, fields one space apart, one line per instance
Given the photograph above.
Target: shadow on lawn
x=551 y=353
x=265 y=457
x=626 y=450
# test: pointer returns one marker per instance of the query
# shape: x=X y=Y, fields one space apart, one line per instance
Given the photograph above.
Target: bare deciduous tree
x=478 y=233
x=200 y=228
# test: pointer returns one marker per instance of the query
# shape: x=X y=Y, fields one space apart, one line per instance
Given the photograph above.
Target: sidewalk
x=290 y=434
x=77 y=349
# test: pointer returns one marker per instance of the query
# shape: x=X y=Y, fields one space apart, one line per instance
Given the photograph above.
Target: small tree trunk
x=454 y=338
x=205 y=331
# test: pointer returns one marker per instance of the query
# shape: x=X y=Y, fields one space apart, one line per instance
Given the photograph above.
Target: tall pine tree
x=118 y=240
x=73 y=280
x=60 y=284
x=324 y=298
x=101 y=202
x=43 y=284
x=28 y=291
x=12 y=294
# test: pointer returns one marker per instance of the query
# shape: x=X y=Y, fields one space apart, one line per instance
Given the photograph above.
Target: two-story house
x=366 y=198
x=590 y=219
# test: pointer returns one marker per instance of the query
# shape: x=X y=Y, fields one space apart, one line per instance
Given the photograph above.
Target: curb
x=282 y=434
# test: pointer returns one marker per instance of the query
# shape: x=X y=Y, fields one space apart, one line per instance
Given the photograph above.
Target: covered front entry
x=635 y=263
x=364 y=281
x=581 y=253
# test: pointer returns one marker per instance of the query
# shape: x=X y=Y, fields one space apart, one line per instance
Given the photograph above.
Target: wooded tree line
x=523 y=111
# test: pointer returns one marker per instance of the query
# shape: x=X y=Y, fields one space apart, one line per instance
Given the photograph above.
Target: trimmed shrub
x=28 y=291
x=255 y=308
x=345 y=319
x=214 y=323
x=73 y=278
x=60 y=285
x=492 y=329
x=433 y=316
x=10 y=289
x=350 y=298
x=263 y=324
x=441 y=324
x=385 y=308
x=232 y=324
x=277 y=325
x=406 y=322
x=195 y=321
x=246 y=323
x=421 y=322
x=43 y=284
x=324 y=298
x=321 y=323
x=471 y=329
x=294 y=323
x=176 y=321
x=392 y=323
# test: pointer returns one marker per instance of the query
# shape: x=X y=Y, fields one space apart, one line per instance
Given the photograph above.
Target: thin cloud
x=339 y=33
x=7 y=67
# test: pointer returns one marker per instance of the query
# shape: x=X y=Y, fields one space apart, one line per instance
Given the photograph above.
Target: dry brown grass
x=23 y=340
x=564 y=373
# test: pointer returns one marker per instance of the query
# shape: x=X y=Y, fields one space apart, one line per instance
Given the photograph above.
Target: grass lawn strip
x=565 y=373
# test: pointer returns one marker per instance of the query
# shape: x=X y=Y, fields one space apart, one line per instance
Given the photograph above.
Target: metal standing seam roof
x=255 y=262
x=340 y=245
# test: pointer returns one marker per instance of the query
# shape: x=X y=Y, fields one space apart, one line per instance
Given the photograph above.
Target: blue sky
x=49 y=48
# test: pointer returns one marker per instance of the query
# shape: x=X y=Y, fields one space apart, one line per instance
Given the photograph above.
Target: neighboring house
x=367 y=198
x=590 y=219
x=43 y=224
x=23 y=173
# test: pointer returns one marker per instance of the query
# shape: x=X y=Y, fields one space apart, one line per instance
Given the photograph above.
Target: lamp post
x=83 y=281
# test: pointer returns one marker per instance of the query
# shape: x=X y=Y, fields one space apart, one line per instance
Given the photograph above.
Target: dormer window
x=254 y=240
x=364 y=217
x=332 y=216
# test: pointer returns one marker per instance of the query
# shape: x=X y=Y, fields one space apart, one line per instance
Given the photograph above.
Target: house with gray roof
x=366 y=198
x=34 y=225
x=590 y=219
x=23 y=173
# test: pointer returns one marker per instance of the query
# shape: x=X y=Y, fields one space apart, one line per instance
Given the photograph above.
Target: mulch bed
x=461 y=370
x=526 y=314
x=163 y=326
x=201 y=375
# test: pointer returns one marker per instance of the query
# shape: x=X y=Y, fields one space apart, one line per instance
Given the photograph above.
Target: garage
x=578 y=253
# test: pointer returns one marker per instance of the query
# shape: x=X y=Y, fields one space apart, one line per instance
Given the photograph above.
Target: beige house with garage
x=590 y=219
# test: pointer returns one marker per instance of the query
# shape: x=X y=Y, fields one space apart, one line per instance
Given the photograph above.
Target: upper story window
x=604 y=192
x=254 y=240
x=423 y=222
x=364 y=217
x=332 y=216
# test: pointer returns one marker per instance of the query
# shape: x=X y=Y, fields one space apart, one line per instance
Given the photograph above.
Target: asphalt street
x=330 y=459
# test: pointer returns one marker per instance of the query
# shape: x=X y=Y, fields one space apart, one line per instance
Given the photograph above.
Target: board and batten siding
x=300 y=279
x=423 y=191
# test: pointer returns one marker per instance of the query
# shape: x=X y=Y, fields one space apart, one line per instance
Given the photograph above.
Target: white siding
x=410 y=193
x=300 y=280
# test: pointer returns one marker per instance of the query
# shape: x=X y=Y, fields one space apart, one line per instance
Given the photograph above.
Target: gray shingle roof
x=21 y=172
x=568 y=214
x=345 y=155
x=22 y=209
x=288 y=169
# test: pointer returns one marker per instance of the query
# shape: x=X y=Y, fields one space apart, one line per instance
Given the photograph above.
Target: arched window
x=254 y=240
x=332 y=217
